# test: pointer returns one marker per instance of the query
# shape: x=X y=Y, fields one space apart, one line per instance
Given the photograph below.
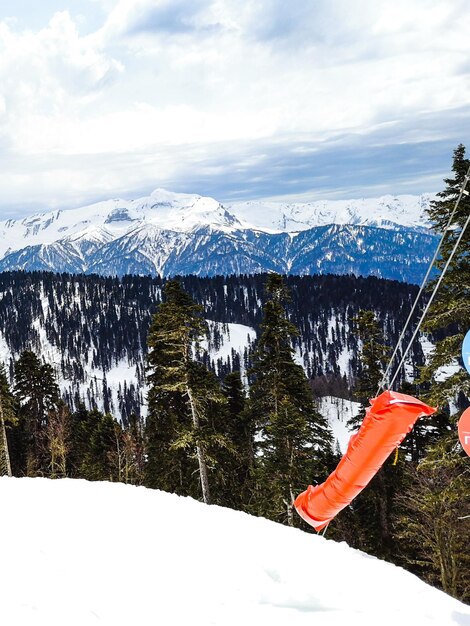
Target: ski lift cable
x=385 y=377
x=426 y=309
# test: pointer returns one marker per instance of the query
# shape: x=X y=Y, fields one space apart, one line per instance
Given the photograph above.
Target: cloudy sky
x=237 y=99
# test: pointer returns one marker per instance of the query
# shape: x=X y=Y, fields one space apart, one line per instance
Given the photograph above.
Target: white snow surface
x=338 y=411
x=100 y=223
x=111 y=219
x=234 y=338
x=76 y=553
x=383 y=212
x=445 y=371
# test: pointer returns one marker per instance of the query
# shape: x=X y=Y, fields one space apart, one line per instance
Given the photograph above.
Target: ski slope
x=76 y=553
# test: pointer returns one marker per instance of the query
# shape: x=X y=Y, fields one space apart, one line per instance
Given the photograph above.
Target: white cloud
x=166 y=73
x=50 y=70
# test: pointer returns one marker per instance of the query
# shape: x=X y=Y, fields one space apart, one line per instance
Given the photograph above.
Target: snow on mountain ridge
x=162 y=209
x=169 y=233
x=186 y=212
x=383 y=212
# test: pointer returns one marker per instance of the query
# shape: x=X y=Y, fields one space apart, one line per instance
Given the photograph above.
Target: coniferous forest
x=245 y=431
x=83 y=326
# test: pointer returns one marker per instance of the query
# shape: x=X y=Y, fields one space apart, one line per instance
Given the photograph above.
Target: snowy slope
x=93 y=331
x=111 y=219
x=117 y=555
x=84 y=376
x=383 y=212
x=232 y=341
x=338 y=411
x=179 y=212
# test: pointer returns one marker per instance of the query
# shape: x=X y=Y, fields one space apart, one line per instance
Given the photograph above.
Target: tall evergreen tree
x=37 y=392
x=372 y=357
x=181 y=397
x=433 y=519
x=435 y=505
x=101 y=460
x=239 y=429
x=448 y=318
x=293 y=439
x=81 y=428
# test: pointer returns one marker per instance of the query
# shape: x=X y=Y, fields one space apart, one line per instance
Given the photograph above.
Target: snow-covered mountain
x=168 y=233
x=384 y=212
x=114 y=554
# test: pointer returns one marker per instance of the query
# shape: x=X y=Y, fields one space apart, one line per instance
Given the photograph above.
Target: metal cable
x=426 y=309
x=423 y=284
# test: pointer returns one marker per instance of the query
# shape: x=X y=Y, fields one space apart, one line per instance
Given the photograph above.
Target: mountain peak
x=168 y=233
x=384 y=212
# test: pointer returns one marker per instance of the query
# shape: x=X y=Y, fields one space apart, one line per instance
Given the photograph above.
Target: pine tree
x=37 y=393
x=433 y=522
x=181 y=398
x=82 y=425
x=448 y=318
x=239 y=430
x=294 y=441
x=101 y=458
x=372 y=356
x=435 y=519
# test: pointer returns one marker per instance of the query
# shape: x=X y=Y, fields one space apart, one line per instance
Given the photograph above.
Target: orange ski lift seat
x=388 y=420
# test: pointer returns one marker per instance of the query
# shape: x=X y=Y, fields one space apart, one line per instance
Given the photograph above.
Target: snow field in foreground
x=76 y=553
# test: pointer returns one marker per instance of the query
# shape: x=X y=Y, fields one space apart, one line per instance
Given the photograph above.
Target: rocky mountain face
x=171 y=234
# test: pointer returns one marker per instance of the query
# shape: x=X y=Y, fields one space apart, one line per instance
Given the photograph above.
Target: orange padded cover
x=388 y=420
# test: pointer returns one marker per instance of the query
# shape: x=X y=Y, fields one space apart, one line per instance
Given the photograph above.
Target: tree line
x=86 y=325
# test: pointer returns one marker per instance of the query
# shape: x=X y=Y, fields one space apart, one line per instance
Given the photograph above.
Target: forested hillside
x=93 y=330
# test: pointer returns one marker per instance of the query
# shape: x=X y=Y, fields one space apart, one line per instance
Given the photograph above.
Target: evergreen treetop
x=448 y=318
x=294 y=441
